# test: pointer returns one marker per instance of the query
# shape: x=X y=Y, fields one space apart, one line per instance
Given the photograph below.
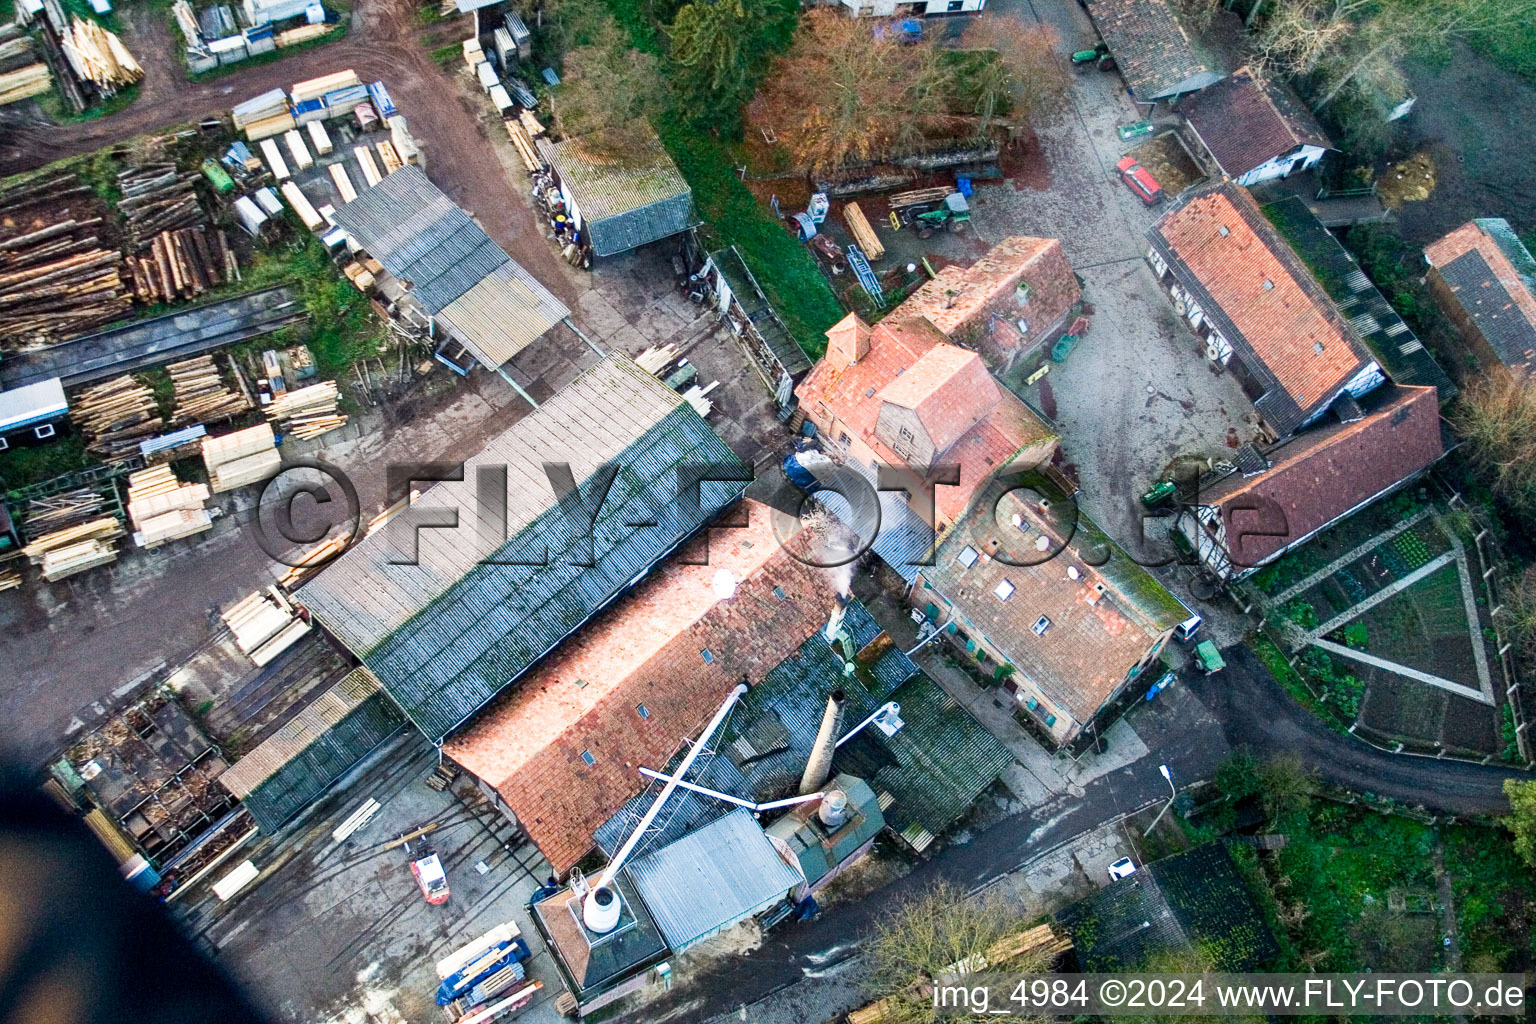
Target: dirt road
x=382 y=45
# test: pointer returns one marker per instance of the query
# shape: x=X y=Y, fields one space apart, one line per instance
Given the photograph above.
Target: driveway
x=1137 y=390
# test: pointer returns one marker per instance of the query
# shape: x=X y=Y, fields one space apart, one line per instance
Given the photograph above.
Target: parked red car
x=1140 y=181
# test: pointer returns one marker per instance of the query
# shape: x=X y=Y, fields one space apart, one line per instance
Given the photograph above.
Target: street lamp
x=1175 y=790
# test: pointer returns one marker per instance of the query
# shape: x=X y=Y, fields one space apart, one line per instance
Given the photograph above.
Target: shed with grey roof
x=484 y=300
x=711 y=879
x=1157 y=58
x=30 y=412
x=621 y=204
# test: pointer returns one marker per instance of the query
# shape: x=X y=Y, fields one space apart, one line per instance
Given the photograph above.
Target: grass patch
x=1512 y=48
x=445 y=55
x=21 y=466
x=53 y=106
x=1291 y=680
x=343 y=328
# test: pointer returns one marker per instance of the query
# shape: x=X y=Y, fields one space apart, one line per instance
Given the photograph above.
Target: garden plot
x=1388 y=620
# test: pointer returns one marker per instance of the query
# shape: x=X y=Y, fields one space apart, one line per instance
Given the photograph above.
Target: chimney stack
x=818 y=767
x=833 y=811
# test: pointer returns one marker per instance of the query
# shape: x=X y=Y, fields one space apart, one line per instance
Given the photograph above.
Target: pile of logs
x=115 y=417
x=181 y=265
x=201 y=394
x=156 y=198
x=56 y=280
x=98 y=56
x=307 y=412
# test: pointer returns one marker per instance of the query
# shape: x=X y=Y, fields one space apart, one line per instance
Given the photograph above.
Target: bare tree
x=932 y=935
x=845 y=93
x=1497 y=417
x=1025 y=78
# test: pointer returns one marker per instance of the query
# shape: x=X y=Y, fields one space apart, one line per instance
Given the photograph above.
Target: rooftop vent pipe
x=833 y=811
x=818 y=768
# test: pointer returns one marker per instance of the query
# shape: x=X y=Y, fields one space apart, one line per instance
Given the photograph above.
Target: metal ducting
x=818 y=767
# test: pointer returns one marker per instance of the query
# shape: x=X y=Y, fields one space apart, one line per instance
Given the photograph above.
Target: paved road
x=1257 y=714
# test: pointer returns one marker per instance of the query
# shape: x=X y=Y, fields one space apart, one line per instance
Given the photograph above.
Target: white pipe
x=888 y=706
x=738 y=801
x=645 y=822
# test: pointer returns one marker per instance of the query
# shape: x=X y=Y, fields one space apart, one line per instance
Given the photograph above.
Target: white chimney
x=833 y=811
x=601 y=909
x=818 y=767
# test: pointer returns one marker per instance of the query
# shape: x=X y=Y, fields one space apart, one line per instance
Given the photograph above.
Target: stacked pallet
x=201 y=396
x=56 y=280
x=244 y=457
x=76 y=548
x=181 y=265
x=24 y=83
x=115 y=417
x=162 y=508
x=265 y=624
x=98 y=56
x=156 y=198
x=307 y=412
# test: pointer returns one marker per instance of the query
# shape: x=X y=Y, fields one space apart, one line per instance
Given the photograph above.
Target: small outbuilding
x=1255 y=129
x=1158 y=59
x=620 y=202
x=32 y=413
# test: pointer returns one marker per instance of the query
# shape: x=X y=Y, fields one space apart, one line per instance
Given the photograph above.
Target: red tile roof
x=1216 y=241
x=646 y=650
x=1246 y=122
x=1326 y=472
x=949 y=389
x=959 y=296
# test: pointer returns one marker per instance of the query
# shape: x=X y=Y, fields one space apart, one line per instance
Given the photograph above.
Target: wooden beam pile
x=56 y=279
x=181 y=265
x=244 y=457
x=201 y=394
x=98 y=56
x=9 y=578
x=307 y=412
x=24 y=83
x=157 y=197
x=265 y=624
x=115 y=417
x=162 y=508
x=859 y=227
x=76 y=548
x=523 y=145
x=55 y=512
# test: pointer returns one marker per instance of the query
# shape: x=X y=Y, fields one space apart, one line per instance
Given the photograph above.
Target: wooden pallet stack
x=201 y=396
x=307 y=412
x=157 y=197
x=56 y=279
x=265 y=624
x=162 y=508
x=115 y=417
x=98 y=56
x=181 y=265
x=75 y=549
x=244 y=457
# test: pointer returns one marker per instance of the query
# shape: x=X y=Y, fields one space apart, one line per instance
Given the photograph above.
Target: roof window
x=1317 y=347
x=778 y=592
x=586 y=755
x=581 y=684
x=709 y=659
x=1041 y=625
x=1269 y=285
x=644 y=711
x=869 y=393
x=968 y=556
x=1225 y=231
x=1003 y=590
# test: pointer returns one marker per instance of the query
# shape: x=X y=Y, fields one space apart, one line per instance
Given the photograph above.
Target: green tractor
x=952 y=214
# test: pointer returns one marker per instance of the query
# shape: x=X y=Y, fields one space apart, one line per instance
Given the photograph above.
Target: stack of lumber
x=156 y=198
x=56 y=512
x=523 y=145
x=360 y=276
x=115 y=417
x=317 y=559
x=474 y=53
x=530 y=123
x=181 y=265
x=241 y=458
x=342 y=181
x=162 y=508
x=265 y=624
x=302 y=34
x=76 y=548
x=371 y=173
x=201 y=394
x=698 y=398
x=56 y=279
x=858 y=226
x=9 y=578
x=388 y=157
x=270 y=104
x=653 y=360
x=32 y=80
x=307 y=412
x=98 y=56
x=316 y=88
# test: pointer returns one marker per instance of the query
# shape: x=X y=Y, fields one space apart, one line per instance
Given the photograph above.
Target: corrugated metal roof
x=32 y=403
x=448 y=633
x=502 y=314
x=712 y=878
x=623 y=205
x=755 y=304
x=312 y=722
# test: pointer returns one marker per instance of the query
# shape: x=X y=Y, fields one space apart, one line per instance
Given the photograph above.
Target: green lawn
x=21 y=466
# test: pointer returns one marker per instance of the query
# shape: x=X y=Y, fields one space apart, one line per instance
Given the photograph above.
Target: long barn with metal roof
x=471 y=612
x=484 y=300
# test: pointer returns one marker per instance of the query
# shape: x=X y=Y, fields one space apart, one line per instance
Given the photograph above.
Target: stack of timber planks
x=388 y=157
x=98 y=56
x=55 y=512
x=115 y=417
x=307 y=412
x=9 y=578
x=75 y=548
x=265 y=624
x=162 y=508
x=858 y=226
x=524 y=146
x=201 y=396
x=182 y=264
x=244 y=457
x=56 y=279
x=24 y=83
x=157 y=197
